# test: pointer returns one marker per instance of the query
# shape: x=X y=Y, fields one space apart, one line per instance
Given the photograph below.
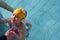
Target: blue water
x=44 y=15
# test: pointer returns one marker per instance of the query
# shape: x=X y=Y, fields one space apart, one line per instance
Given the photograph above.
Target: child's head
x=21 y=13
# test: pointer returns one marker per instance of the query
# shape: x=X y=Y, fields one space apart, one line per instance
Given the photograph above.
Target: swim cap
x=21 y=13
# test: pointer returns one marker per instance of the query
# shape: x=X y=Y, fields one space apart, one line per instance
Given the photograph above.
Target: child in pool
x=17 y=22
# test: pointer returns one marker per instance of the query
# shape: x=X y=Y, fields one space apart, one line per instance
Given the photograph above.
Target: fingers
x=11 y=29
x=13 y=33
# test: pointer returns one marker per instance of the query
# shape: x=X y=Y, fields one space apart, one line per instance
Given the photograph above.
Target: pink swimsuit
x=16 y=30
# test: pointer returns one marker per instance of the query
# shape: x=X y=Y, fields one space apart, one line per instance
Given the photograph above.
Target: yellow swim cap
x=20 y=12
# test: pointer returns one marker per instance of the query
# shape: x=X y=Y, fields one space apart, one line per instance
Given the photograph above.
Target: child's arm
x=28 y=25
x=5 y=21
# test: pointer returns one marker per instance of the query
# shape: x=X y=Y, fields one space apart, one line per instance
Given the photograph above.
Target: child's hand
x=10 y=34
x=28 y=24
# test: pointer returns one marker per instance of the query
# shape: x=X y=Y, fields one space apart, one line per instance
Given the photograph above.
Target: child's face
x=22 y=15
x=16 y=19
